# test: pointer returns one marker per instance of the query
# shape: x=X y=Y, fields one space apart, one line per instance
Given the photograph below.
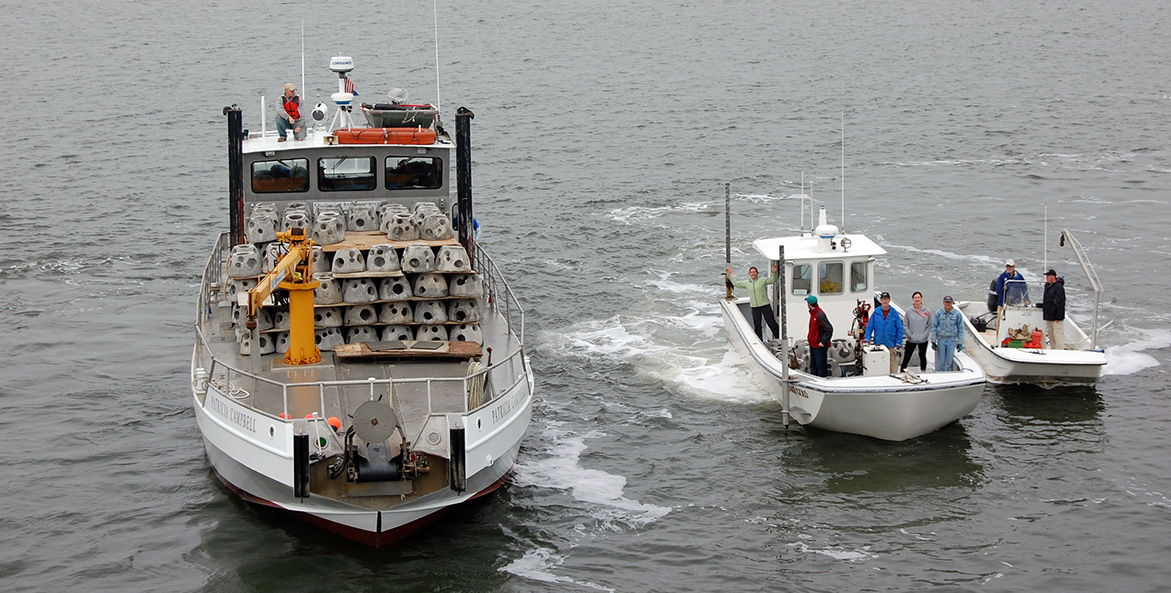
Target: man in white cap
x=289 y=115
x=1010 y=287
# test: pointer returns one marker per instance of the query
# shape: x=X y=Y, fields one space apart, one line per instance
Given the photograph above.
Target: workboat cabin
x=839 y=270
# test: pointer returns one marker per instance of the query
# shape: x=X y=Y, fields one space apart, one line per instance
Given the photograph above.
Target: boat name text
x=502 y=409
x=234 y=415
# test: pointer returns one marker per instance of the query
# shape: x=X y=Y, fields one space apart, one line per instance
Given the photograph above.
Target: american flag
x=350 y=87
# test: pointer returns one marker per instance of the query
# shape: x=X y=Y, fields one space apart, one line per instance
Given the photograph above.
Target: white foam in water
x=705 y=366
x=632 y=214
x=834 y=552
x=536 y=565
x=1130 y=358
x=561 y=469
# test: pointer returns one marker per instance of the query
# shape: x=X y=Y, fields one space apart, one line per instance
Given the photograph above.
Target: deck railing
x=501 y=375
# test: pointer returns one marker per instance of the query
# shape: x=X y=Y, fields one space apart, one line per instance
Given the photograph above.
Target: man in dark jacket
x=820 y=335
x=1053 y=310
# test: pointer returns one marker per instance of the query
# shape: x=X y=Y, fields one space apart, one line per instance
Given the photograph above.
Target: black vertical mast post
x=727 y=238
x=463 y=178
x=235 y=173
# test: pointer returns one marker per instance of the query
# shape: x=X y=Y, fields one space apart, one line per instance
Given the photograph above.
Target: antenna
x=1045 y=236
x=303 y=58
x=802 y=200
x=342 y=65
x=843 y=170
x=435 y=11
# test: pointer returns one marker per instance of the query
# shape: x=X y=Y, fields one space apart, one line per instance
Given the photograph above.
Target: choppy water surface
x=604 y=134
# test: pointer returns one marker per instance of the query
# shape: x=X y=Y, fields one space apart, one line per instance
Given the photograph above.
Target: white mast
x=1045 y=237
x=843 y=170
x=435 y=10
x=303 y=59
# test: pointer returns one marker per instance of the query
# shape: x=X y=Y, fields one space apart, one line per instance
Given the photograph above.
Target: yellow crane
x=294 y=274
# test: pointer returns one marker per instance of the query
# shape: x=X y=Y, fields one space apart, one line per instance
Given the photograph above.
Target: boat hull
x=1035 y=366
x=262 y=473
x=889 y=407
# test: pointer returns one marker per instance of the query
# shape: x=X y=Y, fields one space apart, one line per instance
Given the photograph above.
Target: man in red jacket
x=820 y=335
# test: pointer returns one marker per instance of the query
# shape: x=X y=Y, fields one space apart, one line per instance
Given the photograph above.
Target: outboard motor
x=993 y=301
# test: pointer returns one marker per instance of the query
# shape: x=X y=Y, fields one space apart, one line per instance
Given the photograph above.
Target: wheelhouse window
x=346 y=173
x=802 y=279
x=830 y=278
x=286 y=175
x=417 y=172
x=858 y=279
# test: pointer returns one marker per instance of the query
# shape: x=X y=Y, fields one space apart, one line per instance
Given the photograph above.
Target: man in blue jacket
x=885 y=328
x=1010 y=287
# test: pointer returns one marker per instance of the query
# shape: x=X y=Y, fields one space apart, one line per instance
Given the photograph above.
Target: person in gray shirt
x=917 y=320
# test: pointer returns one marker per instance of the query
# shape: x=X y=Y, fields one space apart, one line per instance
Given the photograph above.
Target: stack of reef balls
x=410 y=291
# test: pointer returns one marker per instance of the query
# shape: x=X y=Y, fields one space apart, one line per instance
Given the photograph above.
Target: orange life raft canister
x=385 y=136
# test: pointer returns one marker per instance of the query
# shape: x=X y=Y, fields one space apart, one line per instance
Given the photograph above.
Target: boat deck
x=422 y=385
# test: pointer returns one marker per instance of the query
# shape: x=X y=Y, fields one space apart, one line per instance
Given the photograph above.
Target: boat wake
x=1131 y=358
x=537 y=565
x=835 y=552
x=640 y=214
x=683 y=350
x=560 y=468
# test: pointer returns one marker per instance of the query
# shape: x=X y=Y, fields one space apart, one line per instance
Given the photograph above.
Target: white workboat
x=861 y=395
x=358 y=362
x=1012 y=348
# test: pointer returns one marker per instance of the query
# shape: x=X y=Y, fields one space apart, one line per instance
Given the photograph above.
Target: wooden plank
x=446 y=350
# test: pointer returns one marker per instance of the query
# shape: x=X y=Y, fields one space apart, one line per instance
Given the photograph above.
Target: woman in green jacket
x=758 y=299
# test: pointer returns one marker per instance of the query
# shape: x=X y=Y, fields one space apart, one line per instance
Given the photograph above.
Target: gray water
x=604 y=135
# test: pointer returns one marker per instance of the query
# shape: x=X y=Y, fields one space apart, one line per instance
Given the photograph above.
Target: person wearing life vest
x=288 y=116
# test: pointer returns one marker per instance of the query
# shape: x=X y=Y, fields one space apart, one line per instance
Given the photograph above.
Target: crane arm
x=299 y=249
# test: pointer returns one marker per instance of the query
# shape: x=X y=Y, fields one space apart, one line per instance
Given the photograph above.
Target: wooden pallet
x=409 y=348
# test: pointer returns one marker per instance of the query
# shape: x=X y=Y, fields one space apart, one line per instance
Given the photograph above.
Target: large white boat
x=358 y=361
x=1010 y=342
x=861 y=395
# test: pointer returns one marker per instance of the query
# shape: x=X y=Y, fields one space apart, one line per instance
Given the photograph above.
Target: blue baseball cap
x=812 y=300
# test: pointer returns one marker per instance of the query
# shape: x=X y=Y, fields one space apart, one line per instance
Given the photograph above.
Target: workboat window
x=348 y=173
x=858 y=280
x=830 y=278
x=418 y=172
x=286 y=175
x=802 y=279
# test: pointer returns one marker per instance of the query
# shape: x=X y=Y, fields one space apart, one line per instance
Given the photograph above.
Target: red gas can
x=1036 y=342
